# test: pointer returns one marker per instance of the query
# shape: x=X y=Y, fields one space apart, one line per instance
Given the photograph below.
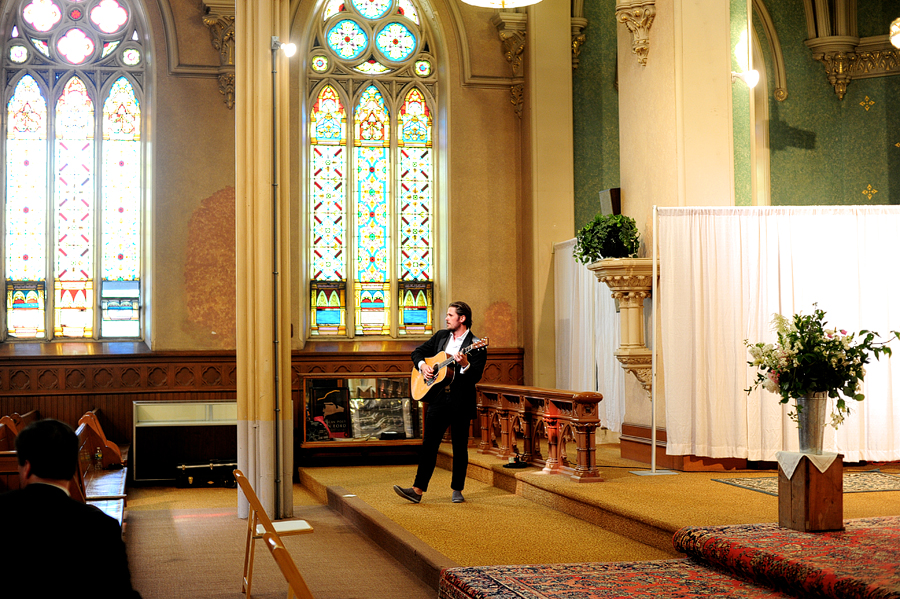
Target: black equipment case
x=215 y=473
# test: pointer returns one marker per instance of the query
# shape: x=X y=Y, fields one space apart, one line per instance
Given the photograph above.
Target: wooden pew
x=8 y=434
x=11 y=425
x=25 y=419
x=9 y=471
x=114 y=456
x=102 y=488
x=9 y=465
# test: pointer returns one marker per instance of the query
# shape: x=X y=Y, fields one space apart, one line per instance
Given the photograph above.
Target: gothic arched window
x=371 y=168
x=73 y=73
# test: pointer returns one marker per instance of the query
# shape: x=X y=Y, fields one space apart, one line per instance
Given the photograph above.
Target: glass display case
x=354 y=408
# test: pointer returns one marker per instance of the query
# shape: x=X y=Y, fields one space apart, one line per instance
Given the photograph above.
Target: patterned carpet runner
x=854 y=482
x=749 y=561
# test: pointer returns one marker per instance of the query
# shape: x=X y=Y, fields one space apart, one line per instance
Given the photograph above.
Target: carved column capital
x=638 y=16
x=219 y=19
x=631 y=281
x=511 y=29
x=578 y=38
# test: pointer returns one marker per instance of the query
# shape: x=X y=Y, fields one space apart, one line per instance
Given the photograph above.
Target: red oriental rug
x=863 y=560
x=681 y=578
x=755 y=560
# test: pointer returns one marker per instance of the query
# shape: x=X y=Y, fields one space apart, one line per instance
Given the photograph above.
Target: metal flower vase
x=811 y=412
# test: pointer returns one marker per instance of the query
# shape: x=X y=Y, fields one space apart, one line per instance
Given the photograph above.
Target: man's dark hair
x=51 y=447
x=463 y=309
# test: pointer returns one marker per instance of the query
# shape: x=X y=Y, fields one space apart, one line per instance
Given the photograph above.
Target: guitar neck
x=449 y=361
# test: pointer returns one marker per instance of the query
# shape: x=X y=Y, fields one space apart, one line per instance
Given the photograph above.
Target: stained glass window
x=26 y=210
x=371 y=250
x=82 y=222
x=372 y=226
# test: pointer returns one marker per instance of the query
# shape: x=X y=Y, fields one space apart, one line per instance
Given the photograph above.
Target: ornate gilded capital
x=226 y=88
x=837 y=69
x=847 y=58
x=513 y=49
x=511 y=29
x=875 y=57
x=221 y=34
x=219 y=19
x=578 y=38
x=517 y=98
x=638 y=16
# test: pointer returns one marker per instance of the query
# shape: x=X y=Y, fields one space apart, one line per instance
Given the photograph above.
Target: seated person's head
x=50 y=447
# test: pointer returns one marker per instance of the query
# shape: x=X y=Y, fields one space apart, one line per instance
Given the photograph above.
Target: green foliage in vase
x=607 y=236
x=810 y=358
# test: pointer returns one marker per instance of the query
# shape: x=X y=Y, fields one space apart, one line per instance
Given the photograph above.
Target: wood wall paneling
x=112 y=376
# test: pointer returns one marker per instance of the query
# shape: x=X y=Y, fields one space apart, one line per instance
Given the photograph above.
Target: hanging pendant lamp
x=501 y=4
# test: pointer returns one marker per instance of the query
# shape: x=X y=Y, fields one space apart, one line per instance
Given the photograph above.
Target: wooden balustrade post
x=527 y=436
x=586 y=408
x=484 y=446
x=586 y=466
x=551 y=424
x=511 y=407
x=487 y=402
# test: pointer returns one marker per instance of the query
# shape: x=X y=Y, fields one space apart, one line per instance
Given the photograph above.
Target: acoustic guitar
x=442 y=372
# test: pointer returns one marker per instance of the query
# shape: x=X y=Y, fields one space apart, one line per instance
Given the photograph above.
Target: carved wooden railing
x=541 y=414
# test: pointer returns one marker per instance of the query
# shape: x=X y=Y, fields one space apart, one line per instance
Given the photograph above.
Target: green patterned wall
x=824 y=150
x=740 y=110
x=596 y=111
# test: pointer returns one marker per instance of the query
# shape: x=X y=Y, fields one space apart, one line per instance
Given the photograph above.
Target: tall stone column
x=675 y=126
x=548 y=192
x=265 y=417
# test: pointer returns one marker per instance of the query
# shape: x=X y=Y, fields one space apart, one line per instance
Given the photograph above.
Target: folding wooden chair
x=258 y=523
x=296 y=585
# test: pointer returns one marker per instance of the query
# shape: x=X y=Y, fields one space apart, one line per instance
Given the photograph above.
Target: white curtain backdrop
x=724 y=272
x=587 y=336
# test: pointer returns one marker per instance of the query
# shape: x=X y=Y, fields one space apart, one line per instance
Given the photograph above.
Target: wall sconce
x=288 y=49
x=895 y=33
x=751 y=78
x=501 y=4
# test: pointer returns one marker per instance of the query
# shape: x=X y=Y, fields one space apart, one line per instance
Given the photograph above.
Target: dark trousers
x=438 y=417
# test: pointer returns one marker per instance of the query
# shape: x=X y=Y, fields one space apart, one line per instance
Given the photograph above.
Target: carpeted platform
x=863 y=560
x=854 y=482
x=758 y=560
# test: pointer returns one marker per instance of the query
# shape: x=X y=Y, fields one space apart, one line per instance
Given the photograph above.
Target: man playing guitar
x=454 y=406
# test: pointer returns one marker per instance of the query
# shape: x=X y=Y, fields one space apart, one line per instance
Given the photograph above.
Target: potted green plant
x=607 y=236
x=810 y=363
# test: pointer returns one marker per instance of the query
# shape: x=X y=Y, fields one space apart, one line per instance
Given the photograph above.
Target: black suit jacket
x=462 y=388
x=54 y=546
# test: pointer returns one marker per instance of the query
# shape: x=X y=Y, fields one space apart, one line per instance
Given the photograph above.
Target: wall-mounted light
x=501 y=4
x=895 y=33
x=751 y=78
x=288 y=49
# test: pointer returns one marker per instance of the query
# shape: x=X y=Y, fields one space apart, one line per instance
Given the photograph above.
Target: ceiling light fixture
x=895 y=33
x=501 y=4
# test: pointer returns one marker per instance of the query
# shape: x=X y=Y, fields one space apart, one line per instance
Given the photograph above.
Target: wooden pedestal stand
x=812 y=501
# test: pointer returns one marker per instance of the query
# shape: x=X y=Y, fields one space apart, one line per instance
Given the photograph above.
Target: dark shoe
x=408 y=494
x=457 y=497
